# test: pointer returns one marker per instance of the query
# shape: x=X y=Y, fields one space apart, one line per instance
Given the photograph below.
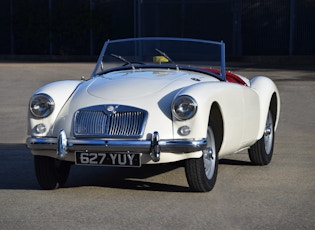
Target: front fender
x=229 y=97
x=60 y=92
x=204 y=96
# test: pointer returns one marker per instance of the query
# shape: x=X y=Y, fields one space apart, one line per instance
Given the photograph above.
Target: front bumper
x=154 y=147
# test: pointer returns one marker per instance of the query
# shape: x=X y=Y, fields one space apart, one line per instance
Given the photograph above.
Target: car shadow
x=234 y=162
x=16 y=167
x=17 y=172
x=125 y=178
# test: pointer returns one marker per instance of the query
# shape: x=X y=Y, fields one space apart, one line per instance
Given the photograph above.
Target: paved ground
x=278 y=196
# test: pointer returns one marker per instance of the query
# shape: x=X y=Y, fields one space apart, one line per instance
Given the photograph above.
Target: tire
x=261 y=152
x=201 y=173
x=51 y=173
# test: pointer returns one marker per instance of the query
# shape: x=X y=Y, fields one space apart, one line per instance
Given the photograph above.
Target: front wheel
x=201 y=173
x=261 y=152
x=51 y=173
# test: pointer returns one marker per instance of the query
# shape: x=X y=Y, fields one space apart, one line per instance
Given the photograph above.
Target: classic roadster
x=150 y=101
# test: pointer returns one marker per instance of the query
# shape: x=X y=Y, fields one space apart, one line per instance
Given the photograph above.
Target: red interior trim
x=230 y=77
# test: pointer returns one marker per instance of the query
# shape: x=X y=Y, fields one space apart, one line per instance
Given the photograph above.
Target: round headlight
x=41 y=105
x=184 y=107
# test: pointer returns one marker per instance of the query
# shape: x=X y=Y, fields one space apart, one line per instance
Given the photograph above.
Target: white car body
x=242 y=107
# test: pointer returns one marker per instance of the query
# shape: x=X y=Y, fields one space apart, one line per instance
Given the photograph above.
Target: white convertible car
x=151 y=101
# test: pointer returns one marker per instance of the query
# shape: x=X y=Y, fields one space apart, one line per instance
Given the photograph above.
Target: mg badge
x=111 y=108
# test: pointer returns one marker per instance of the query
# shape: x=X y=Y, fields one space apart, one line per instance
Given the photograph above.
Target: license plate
x=108 y=159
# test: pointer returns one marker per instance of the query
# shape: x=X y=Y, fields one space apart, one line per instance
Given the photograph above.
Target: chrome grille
x=98 y=122
x=126 y=123
x=90 y=122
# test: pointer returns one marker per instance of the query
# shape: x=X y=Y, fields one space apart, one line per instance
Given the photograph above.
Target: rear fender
x=266 y=89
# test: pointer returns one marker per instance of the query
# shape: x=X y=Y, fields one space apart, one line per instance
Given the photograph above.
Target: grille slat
x=106 y=124
x=90 y=122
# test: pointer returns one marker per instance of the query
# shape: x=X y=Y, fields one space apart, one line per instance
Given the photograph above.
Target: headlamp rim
x=188 y=116
x=50 y=102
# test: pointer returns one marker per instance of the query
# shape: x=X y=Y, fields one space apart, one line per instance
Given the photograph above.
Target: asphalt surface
x=278 y=196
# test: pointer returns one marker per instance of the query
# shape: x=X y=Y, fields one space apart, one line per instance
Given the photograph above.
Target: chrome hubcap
x=209 y=155
x=268 y=134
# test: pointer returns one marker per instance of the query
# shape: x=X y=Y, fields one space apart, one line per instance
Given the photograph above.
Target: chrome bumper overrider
x=154 y=147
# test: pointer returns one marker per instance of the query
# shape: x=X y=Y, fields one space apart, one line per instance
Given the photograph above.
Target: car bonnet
x=142 y=83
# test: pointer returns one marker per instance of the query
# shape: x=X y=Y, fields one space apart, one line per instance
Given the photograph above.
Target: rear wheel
x=261 y=152
x=201 y=173
x=51 y=173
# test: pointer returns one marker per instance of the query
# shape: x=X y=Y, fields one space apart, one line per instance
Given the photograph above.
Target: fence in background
x=80 y=27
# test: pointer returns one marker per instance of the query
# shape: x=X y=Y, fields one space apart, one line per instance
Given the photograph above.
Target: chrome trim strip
x=127 y=146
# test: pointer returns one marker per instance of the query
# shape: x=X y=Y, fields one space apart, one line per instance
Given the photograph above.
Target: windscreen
x=140 y=52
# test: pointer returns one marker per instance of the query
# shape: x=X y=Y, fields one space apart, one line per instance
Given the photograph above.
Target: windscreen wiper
x=121 y=59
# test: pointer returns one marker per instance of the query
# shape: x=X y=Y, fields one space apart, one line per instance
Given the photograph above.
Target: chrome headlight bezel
x=184 y=107
x=41 y=105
